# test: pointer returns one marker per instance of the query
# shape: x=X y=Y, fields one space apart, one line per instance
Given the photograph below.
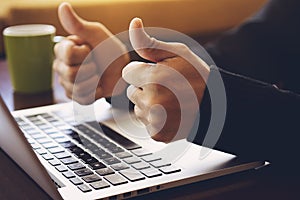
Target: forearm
x=261 y=121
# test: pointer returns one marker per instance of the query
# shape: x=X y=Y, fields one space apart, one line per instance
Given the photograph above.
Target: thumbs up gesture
x=79 y=53
x=166 y=92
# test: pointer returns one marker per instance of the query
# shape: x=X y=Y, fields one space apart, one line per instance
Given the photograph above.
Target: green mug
x=29 y=52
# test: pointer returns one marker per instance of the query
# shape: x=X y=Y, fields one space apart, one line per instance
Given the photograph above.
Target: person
x=261 y=119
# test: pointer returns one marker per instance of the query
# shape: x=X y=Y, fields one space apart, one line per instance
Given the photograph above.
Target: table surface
x=255 y=184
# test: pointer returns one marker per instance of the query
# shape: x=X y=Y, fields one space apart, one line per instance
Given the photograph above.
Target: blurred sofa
x=191 y=17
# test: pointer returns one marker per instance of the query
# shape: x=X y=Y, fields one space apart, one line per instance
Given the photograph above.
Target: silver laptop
x=71 y=158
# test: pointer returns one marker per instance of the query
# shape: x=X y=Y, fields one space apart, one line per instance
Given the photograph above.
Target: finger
x=141 y=115
x=148 y=47
x=71 y=53
x=82 y=88
x=134 y=94
x=75 y=73
x=76 y=39
x=137 y=73
x=74 y=24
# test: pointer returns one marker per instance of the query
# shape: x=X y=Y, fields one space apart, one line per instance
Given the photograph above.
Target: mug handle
x=57 y=39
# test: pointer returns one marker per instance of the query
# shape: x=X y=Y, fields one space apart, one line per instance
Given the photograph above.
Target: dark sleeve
x=265 y=47
x=262 y=121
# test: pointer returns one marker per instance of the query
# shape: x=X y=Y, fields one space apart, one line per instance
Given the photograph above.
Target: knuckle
x=71 y=74
x=79 y=90
x=182 y=46
x=79 y=54
x=148 y=103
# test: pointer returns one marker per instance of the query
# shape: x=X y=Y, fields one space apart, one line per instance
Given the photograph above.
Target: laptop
x=98 y=158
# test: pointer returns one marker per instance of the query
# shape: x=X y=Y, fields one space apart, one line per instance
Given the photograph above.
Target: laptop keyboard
x=90 y=155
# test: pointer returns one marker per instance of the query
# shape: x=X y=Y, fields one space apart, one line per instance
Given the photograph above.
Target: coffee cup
x=29 y=53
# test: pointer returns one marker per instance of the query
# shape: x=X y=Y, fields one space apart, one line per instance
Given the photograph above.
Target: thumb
x=91 y=32
x=148 y=47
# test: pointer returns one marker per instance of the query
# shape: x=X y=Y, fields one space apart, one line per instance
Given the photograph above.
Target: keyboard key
x=44 y=126
x=28 y=128
x=63 y=127
x=76 y=181
x=115 y=179
x=150 y=158
x=97 y=165
x=132 y=175
x=92 y=134
x=67 y=131
x=109 y=145
x=140 y=165
x=44 y=140
x=160 y=163
x=91 y=146
x=170 y=169
x=76 y=137
x=84 y=188
x=90 y=160
x=101 y=140
x=50 y=131
x=82 y=127
x=35 y=146
x=62 y=140
x=54 y=162
x=62 y=155
x=50 y=145
x=76 y=150
x=38 y=123
x=119 y=166
x=37 y=136
x=57 y=135
x=61 y=168
x=68 y=174
x=56 y=150
x=91 y=178
x=68 y=144
x=115 y=149
x=83 y=155
x=68 y=161
x=112 y=160
x=41 y=151
x=97 y=150
x=151 y=172
x=132 y=160
x=32 y=132
x=83 y=172
x=99 y=185
x=141 y=152
x=76 y=166
x=48 y=156
x=124 y=154
x=104 y=171
x=104 y=155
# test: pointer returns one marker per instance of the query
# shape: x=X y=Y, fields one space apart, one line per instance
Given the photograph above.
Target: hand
x=168 y=92
x=79 y=53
